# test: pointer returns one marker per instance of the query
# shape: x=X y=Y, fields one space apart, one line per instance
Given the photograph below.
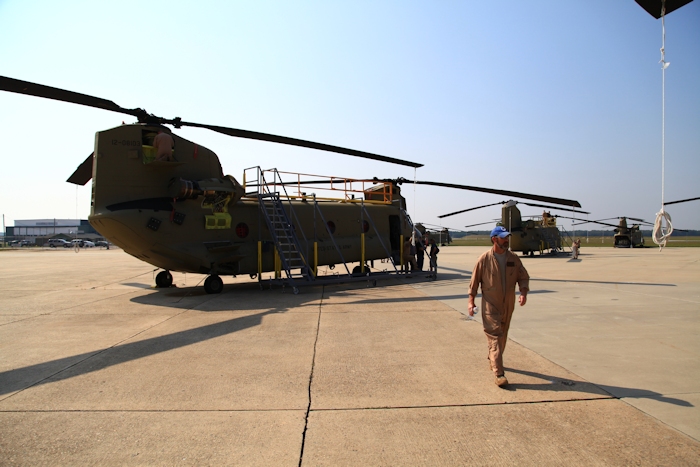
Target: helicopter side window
x=150 y=150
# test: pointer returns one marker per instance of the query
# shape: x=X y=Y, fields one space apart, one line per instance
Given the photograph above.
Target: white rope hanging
x=659 y=237
x=661 y=232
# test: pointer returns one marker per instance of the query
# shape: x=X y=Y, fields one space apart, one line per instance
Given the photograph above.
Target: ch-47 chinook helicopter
x=439 y=233
x=625 y=236
x=185 y=215
x=539 y=233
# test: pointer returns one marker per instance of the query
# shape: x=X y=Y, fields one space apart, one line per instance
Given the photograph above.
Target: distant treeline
x=583 y=233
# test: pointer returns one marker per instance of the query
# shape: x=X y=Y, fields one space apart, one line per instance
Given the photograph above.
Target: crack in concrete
x=311 y=378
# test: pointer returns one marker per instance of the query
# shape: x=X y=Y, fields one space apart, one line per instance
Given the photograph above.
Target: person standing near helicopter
x=420 y=251
x=409 y=256
x=575 y=247
x=497 y=271
x=434 y=250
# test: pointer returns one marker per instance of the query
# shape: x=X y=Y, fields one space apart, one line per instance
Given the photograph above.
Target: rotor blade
x=583 y=221
x=598 y=222
x=636 y=220
x=512 y=194
x=470 y=209
x=83 y=173
x=640 y=221
x=299 y=142
x=681 y=201
x=483 y=223
x=553 y=207
x=442 y=227
x=39 y=90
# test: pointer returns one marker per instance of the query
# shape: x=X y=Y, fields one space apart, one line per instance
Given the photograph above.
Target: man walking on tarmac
x=497 y=271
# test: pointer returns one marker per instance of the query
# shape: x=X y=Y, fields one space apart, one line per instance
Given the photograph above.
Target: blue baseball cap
x=499 y=232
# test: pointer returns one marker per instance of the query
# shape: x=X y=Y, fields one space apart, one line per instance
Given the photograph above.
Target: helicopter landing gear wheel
x=164 y=280
x=213 y=284
x=357 y=271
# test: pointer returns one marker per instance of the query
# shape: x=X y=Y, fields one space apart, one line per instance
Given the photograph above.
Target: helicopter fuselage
x=185 y=215
x=628 y=237
x=530 y=235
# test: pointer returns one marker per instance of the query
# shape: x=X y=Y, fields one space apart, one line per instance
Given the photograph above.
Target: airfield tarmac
x=97 y=367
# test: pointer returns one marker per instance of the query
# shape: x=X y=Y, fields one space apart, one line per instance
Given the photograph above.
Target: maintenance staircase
x=549 y=240
x=566 y=241
x=284 y=237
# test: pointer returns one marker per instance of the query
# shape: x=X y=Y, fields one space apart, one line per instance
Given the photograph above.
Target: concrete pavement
x=97 y=367
x=626 y=320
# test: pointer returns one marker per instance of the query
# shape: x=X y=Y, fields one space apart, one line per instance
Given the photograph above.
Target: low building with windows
x=39 y=231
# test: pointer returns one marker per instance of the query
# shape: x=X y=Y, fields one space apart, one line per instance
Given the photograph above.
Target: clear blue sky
x=554 y=98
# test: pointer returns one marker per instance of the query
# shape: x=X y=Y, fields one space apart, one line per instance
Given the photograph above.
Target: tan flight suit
x=408 y=258
x=497 y=307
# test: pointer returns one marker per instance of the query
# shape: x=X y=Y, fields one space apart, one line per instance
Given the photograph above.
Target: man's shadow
x=553 y=383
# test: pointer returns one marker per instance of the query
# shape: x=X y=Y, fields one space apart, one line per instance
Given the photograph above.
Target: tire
x=213 y=284
x=164 y=280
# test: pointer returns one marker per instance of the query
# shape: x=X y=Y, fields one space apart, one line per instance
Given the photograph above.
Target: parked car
x=58 y=242
x=102 y=243
x=81 y=242
x=16 y=243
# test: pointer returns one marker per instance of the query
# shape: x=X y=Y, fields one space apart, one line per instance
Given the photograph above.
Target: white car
x=58 y=242
x=82 y=243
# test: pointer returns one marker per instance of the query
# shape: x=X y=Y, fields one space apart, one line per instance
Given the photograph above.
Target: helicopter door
x=395 y=233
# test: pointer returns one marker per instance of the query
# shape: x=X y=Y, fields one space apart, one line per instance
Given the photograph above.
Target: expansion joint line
x=311 y=378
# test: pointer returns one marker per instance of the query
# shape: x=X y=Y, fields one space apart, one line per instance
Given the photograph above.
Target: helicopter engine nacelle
x=210 y=188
